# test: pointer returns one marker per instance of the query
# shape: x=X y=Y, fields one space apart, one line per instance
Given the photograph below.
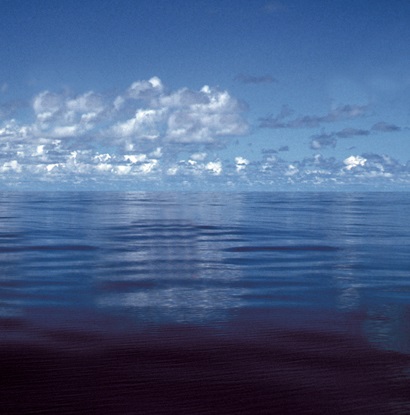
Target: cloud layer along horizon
x=151 y=137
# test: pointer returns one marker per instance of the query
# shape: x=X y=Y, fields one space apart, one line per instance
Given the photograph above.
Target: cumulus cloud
x=145 y=89
x=241 y=163
x=215 y=167
x=157 y=153
x=11 y=166
x=204 y=117
x=182 y=116
x=47 y=104
x=354 y=161
x=150 y=135
x=195 y=169
x=145 y=124
x=383 y=163
x=11 y=129
x=146 y=112
x=135 y=158
x=59 y=115
x=344 y=112
x=144 y=130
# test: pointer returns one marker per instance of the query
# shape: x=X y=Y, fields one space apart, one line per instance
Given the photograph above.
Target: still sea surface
x=204 y=303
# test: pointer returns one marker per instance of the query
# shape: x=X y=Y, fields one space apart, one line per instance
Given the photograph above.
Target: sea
x=204 y=303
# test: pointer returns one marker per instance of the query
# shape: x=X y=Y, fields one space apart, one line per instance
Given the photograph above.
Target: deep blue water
x=205 y=303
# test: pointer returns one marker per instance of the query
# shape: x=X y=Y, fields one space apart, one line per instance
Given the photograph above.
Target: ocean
x=204 y=303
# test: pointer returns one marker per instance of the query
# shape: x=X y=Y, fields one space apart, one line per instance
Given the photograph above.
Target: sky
x=205 y=95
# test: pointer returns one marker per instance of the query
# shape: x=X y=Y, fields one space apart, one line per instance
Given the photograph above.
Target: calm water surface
x=236 y=303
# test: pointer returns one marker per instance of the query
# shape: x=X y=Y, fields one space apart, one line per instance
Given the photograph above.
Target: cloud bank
x=151 y=137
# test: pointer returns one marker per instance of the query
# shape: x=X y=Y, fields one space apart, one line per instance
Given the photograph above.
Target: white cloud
x=51 y=167
x=172 y=171
x=89 y=102
x=119 y=103
x=122 y=169
x=11 y=129
x=47 y=104
x=145 y=89
x=354 y=161
x=11 y=166
x=65 y=131
x=102 y=157
x=181 y=98
x=145 y=124
x=241 y=163
x=141 y=135
x=212 y=114
x=60 y=116
x=104 y=167
x=292 y=170
x=182 y=116
x=198 y=156
x=148 y=166
x=39 y=150
x=214 y=167
x=157 y=153
x=135 y=158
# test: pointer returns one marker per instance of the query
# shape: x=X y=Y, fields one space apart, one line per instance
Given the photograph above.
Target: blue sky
x=231 y=95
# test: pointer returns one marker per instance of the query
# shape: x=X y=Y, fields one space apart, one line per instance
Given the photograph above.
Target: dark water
x=158 y=303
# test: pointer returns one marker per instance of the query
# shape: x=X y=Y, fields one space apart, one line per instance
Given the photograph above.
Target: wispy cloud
x=345 y=112
x=323 y=140
x=385 y=127
x=269 y=151
x=10 y=108
x=352 y=132
x=251 y=79
x=273 y=7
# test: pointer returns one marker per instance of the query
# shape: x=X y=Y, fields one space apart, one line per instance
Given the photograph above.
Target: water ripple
x=282 y=248
x=48 y=248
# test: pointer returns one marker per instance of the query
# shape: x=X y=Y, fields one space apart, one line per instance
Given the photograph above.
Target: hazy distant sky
x=227 y=94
